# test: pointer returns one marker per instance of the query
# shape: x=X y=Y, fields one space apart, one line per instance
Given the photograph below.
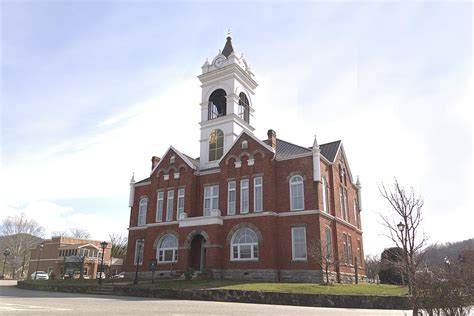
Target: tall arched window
x=142 y=208
x=325 y=194
x=168 y=249
x=216 y=144
x=217 y=104
x=296 y=193
x=244 y=107
x=244 y=245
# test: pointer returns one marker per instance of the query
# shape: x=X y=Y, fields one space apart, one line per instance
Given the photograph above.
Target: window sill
x=167 y=262
x=244 y=260
x=299 y=260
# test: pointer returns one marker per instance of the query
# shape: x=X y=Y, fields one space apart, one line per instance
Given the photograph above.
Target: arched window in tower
x=216 y=144
x=217 y=104
x=244 y=107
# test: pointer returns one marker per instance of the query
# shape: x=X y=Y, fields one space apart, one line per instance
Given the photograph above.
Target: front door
x=198 y=253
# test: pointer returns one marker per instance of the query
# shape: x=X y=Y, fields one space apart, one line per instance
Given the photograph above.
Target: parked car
x=40 y=275
x=121 y=275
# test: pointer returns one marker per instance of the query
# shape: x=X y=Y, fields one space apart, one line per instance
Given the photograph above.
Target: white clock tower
x=226 y=107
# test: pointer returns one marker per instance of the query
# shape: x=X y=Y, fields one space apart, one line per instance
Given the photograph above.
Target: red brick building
x=246 y=208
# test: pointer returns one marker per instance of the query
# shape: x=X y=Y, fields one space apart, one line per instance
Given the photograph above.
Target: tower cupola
x=226 y=105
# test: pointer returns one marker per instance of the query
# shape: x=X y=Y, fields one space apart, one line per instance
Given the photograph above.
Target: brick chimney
x=154 y=161
x=272 y=138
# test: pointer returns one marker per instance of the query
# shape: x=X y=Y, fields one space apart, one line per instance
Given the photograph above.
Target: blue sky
x=91 y=89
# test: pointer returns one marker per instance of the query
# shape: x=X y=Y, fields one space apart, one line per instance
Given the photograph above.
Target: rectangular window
x=231 y=197
x=346 y=209
x=211 y=199
x=169 y=206
x=244 y=196
x=298 y=241
x=139 y=246
x=328 y=243
x=159 y=207
x=257 y=194
x=359 y=253
x=356 y=220
x=349 y=249
x=344 y=242
x=180 y=202
x=341 y=201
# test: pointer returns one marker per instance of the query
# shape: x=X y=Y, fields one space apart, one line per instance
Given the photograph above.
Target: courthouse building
x=246 y=208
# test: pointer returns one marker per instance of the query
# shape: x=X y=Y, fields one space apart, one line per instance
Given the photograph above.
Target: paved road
x=15 y=301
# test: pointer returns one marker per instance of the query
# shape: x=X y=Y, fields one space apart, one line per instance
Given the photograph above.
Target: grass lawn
x=308 y=288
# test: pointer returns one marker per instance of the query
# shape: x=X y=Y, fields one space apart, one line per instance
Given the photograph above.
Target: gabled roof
x=143 y=181
x=185 y=158
x=286 y=149
x=265 y=145
x=329 y=150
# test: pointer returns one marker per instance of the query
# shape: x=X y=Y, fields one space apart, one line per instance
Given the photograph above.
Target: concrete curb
x=239 y=296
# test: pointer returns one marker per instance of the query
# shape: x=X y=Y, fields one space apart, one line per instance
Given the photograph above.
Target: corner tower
x=226 y=104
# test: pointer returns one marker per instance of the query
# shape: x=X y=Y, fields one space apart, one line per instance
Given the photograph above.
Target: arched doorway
x=197 y=259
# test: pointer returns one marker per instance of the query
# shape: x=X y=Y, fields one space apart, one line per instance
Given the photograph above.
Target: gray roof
x=195 y=162
x=285 y=149
x=228 y=49
x=143 y=181
x=329 y=150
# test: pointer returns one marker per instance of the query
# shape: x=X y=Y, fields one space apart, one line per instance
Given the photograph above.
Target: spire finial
x=132 y=180
x=358 y=182
x=315 y=143
x=229 y=33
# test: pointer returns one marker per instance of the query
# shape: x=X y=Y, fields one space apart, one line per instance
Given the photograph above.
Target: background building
x=64 y=255
x=246 y=208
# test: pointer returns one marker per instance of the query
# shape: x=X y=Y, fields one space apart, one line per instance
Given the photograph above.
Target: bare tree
x=79 y=233
x=372 y=267
x=119 y=245
x=322 y=255
x=19 y=235
x=404 y=229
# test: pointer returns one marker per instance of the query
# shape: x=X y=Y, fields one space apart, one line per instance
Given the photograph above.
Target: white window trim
x=356 y=218
x=328 y=241
x=175 y=251
x=293 y=229
x=228 y=197
x=159 y=212
x=325 y=198
x=142 y=252
x=252 y=248
x=141 y=212
x=346 y=206
x=255 y=186
x=241 y=195
x=180 y=206
x=169 y=206
x=211 y=197
x=291 y=193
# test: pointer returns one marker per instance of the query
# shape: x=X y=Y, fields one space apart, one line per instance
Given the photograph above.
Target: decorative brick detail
x=242 y=225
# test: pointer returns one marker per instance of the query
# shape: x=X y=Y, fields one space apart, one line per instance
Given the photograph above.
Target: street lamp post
x=6 y=253
x=39 y=258
x=448 y=264
x=401 y=228
x=103 y=245
x=139 y=249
